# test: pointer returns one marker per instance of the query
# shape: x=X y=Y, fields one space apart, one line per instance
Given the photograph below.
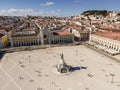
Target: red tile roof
x=3 y=31
x=73 y=26
x=110 y=35
x=95 y=23
x=85 y=31
x=62 y=32
x=109 y=28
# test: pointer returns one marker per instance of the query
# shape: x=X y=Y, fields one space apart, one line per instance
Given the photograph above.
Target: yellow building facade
x=25 y=40
x=62 y=39
x=3 y=41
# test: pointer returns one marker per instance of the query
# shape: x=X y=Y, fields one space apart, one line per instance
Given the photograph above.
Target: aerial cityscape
x=59 y=45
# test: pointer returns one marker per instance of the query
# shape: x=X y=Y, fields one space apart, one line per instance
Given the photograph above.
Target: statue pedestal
x=63 y=68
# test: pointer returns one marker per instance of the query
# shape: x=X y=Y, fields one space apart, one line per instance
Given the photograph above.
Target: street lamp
x=80 y=36
x=112 y=77
x=29 y=58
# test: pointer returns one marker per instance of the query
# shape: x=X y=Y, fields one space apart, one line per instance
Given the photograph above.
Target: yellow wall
x=4 y=40
x=64 y=37
x=46 y=41
x=24 y=39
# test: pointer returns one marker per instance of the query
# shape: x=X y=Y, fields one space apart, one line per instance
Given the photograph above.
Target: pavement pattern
x=33 y=70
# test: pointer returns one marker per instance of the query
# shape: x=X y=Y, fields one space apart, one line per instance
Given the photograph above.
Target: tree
x=96 y=12
x=118 y=14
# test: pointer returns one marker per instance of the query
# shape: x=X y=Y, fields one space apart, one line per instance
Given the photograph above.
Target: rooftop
x=110 y=35
x=3 y=31
x=109 y=28
x=62 y=32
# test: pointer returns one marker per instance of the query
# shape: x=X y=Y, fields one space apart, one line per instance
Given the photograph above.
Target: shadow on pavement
x=77 y=68
x=2 y=53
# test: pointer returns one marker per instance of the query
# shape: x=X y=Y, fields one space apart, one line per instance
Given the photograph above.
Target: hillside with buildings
x=36 y=30
x=56 y=51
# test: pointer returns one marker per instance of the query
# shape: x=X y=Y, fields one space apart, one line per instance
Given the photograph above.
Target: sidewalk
x=103 y=48
x=114 y=56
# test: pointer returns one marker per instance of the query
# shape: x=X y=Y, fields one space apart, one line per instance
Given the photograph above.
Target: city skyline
x=54 y=7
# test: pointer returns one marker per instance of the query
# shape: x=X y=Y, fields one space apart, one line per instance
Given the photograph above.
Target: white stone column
x=73 y=38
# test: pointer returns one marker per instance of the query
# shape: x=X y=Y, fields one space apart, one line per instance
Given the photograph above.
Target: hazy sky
x=55 y=7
